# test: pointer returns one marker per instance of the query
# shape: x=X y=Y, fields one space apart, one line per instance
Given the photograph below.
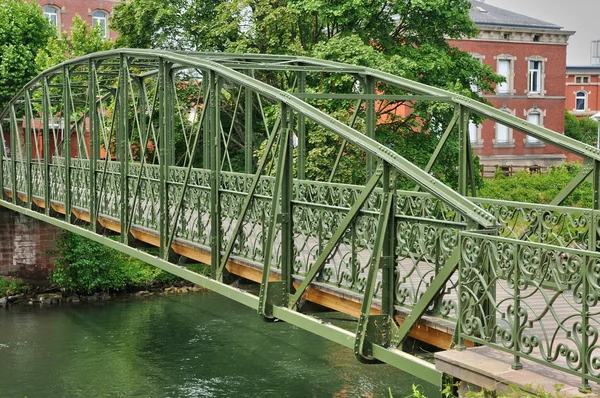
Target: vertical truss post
x=594 y=218
x=67 y=140
x=301 y=131
x=463 y=147
x=277 y=293
x=516 y=326
x=287 y=184
x=376 y=329
x=164 y=71
x=248 y=144
x=13 y=152
x=206 y=136
x=94 y=141
x=46 y=138
x=596 y=185
x=28 y=117
x=370 y=122
x=388 y=263
x=214 y=114
x=123 y=145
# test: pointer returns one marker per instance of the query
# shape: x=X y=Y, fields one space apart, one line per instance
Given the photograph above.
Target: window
x=501 y=134
x=504 y=136
x=505 y=66
x=52 y=15
x=472 y=132
x=504 y=70
x=99 y=18
x=535 y=77
x=580 y=98
x=533 y=118
x=582 y=79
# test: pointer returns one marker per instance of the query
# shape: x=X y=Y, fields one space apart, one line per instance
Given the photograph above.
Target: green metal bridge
x=204 y=156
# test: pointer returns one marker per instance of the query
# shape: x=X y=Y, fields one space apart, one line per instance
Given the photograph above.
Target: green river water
x=193 y=345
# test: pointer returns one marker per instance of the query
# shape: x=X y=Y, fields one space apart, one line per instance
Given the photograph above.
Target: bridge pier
x=24 y=246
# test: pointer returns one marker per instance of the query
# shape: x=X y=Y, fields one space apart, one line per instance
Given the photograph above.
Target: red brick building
x=583 y=90
x=61 y=13
x=531 y=55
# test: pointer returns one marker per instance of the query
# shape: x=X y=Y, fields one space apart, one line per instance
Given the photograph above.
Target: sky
x=582 y=16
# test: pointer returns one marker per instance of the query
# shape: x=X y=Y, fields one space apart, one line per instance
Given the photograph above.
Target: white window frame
x=509 y=142
x=585 y=98
x=539 y=77
x=102 y=19
x=49 y=15
x=510 y=79
x=475 y=134
x=532 y=142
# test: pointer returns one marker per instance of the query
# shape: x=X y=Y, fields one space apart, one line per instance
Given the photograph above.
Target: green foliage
x=353 y=31
x=525 y=186
x=23 y=33
x=82 y=40
x=173 y=24
x=87 y=266
x=12 y=286
x=582 y=129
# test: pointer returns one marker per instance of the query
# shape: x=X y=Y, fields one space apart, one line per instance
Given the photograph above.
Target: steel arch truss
x=205 y=156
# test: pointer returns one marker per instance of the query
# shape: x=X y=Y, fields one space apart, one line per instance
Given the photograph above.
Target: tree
x=406 y=38
x=82 y=40
x=23 y=33
x=582 y=129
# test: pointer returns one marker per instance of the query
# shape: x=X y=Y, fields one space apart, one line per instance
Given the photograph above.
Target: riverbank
x=14 y=292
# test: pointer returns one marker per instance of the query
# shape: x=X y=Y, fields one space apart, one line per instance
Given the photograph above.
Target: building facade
x=531 y=55
x=583 y=90
x=95 y=12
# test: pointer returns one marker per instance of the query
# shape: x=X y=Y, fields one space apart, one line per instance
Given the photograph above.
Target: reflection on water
x=195 y=345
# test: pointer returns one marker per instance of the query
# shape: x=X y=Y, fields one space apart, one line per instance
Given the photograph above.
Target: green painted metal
x=398 y=249
x=335 y=239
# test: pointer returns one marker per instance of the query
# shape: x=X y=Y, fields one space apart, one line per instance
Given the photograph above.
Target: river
x=191 y=345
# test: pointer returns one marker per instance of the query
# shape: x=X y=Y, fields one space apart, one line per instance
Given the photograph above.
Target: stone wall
x=25 y=244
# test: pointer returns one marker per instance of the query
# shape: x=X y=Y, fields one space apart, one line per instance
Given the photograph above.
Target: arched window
x=52 y=15
x=100 y=18
x=580 y=99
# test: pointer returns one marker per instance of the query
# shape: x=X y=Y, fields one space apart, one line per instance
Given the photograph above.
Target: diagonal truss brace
x=421 y=306
x=333 y=242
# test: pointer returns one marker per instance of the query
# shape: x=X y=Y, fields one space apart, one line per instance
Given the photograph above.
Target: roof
x=584 y=68
x=484 y=14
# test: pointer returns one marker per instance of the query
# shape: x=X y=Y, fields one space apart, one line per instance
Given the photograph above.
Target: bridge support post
x=301 y=131
x=94 y=142
x=28 y=117
x=46 y=138
x=67 y=140
x=283 y=188
x=377 y=329
x=215 y=181
x=370 y=121
x=165 y=129
x=123 y=145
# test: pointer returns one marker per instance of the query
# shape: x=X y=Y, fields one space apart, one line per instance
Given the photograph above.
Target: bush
x=87 y=266
x=525 y=186
x=12 y=286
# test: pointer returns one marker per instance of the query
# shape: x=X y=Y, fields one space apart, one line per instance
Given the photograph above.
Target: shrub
x=87 y=266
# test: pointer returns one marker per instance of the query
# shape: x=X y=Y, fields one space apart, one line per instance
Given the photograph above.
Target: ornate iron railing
x=533 y=300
